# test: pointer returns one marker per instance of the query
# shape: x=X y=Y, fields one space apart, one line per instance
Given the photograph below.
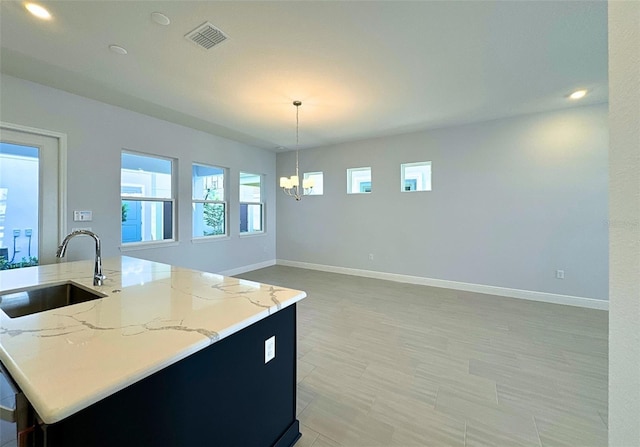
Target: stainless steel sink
x=31 y=301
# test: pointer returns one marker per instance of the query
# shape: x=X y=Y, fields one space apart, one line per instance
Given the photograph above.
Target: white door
x=30 y=197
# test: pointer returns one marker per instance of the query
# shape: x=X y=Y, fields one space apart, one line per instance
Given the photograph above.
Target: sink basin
x=31 y=301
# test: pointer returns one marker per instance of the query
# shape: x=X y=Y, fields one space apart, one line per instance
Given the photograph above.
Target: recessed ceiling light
x=38 y=11
x=578 y=94
x=160 y=18
x=118 y=49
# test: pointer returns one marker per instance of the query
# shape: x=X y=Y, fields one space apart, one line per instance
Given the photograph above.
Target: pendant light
x=291 y=185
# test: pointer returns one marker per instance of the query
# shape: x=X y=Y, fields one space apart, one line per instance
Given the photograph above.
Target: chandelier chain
x=297 y=136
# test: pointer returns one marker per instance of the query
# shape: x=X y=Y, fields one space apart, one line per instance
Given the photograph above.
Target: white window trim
x=174 y=228
x=213 y=237
x=349 y=180
x=133 y=246
x=226 y=220
x=304 y=177
x=417 y=163
x=262 y=220
x=262 y=207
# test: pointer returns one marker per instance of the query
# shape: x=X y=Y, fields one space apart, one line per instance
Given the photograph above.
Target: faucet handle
x=98 y=279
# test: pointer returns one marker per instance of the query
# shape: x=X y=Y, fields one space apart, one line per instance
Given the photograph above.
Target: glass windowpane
x=143 y=176
x=250 y=217
x=207 y=183
x=416 y=176
x=318 y=183
x=145 y=221
x=250 y=187
x=19 y=205
x=208 y=219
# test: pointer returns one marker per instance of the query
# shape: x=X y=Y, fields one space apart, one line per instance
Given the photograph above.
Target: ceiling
x=362 y=69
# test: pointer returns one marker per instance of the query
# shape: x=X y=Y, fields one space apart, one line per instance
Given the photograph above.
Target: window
x=251 y=203
x=146 y=188
x=317 y=182
x=358 y=180
x=209 y=201
x=30 y=196
x=415 y=176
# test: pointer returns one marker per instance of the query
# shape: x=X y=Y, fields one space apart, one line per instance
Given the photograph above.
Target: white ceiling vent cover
x=206 y=35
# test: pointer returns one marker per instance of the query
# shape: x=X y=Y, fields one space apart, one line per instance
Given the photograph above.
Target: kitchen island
x=169 y=357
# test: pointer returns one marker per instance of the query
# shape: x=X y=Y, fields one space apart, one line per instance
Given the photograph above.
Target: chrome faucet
x=98 y=277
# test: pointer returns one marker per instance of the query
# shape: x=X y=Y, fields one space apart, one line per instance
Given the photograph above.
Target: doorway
x=30 y=196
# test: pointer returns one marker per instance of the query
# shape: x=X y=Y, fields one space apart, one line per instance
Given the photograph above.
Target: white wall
x=624 y=193
x=513 y=200
x=97 y=133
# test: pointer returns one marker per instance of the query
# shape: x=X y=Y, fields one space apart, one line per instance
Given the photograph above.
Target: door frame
x=61 y=173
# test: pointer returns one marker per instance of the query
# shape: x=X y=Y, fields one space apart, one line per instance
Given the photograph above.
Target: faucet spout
x=98 y=277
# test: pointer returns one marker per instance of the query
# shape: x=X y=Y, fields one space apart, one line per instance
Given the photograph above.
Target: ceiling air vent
x=206 y=35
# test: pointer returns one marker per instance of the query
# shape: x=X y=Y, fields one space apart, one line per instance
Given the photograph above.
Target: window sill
x=205 y=239
x=253 y=234
x=146 y=245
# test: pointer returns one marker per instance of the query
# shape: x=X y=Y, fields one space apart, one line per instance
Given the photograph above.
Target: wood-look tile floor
x=390 y=364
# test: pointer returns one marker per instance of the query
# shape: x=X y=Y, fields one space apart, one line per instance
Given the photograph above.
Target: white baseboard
x=568 y=300
x=248 y=268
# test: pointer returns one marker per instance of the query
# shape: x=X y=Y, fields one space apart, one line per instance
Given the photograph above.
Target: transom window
x=359 y=180
x=415 y=176
x=146 y=185
x=251 y=203
x=317 y=180
x=209 y=201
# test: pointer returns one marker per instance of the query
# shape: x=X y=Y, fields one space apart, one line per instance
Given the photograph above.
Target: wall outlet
x=269 y=349
x=559 y=274
x=370 y=256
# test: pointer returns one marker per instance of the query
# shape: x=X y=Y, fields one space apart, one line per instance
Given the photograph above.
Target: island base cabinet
x=223 y=395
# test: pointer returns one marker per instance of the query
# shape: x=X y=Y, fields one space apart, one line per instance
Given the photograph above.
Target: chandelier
x=291 y=185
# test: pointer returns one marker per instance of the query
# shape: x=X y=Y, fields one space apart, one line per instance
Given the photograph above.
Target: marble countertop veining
x=154 y=315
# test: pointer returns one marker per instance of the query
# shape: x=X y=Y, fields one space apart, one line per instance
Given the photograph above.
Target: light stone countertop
x=154 y=315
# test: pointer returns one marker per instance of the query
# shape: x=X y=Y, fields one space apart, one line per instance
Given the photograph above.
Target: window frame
x=305 y=176
x=224 y=202
x=261 y=203
x=124 y=246
x=403 y=177
x=351 y=171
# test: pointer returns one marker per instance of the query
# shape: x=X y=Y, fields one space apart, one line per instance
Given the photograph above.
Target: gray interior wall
x=97 y=133
x=513 y=201
x=624 y=191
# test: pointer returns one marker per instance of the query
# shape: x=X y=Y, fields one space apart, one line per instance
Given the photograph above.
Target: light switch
x=82 y=216
x=269 y=349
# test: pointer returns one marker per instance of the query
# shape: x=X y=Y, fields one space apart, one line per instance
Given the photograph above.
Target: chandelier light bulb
x=578 y=94
x=38 y=11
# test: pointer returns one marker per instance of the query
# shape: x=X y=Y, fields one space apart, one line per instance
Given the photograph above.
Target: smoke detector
x=206 y=36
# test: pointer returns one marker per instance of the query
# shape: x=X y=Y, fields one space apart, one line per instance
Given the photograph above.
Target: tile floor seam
x=604 y=422
x=465 y=433
x=535 y=423
x=329 y=438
